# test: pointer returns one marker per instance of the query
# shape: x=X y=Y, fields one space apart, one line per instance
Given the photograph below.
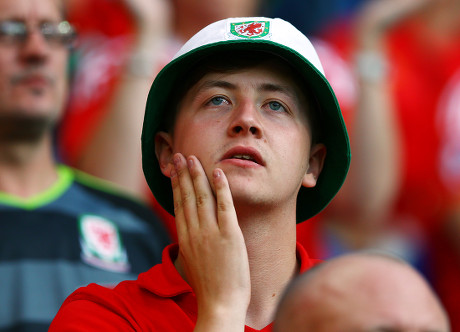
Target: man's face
x=253 y=125
x=32 y=71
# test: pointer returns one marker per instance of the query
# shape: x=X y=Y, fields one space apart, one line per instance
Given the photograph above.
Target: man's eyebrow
x=264 y=87
x=217 y=84
x=270 y=87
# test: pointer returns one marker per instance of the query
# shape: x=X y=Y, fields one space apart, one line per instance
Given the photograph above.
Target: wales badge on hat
x=250 y=29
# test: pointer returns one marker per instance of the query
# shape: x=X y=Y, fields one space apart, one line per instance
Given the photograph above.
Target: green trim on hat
x=310 y=201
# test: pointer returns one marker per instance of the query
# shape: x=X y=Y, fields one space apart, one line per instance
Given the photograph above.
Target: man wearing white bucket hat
x=242 y=138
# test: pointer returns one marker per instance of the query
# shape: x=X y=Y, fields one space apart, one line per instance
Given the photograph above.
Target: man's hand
x=153 y=16
x=212 y=250
x=378 y=16
x=152 y=28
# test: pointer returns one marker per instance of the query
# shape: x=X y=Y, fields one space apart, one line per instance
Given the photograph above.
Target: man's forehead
x=39 y=10
x=264 y=78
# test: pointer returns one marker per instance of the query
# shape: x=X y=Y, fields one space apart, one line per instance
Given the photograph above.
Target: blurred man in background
x=59 y=228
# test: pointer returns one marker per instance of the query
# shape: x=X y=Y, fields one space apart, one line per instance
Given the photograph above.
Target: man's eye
x=13 y=28
x=216 y=101
x=276 y=106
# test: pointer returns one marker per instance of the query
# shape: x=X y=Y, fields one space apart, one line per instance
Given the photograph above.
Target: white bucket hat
x=274 y=36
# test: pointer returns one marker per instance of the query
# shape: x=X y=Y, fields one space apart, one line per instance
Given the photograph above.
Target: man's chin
x=247 y=195
x=24 y=127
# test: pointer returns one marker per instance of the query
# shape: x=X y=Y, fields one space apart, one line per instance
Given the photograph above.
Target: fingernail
x=190 y=162
x=176 y=161
x=217 y=173
x=173 y=173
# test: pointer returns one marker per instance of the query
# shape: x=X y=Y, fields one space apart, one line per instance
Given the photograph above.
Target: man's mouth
x=32 y=79
x=244 y=157
x=245 y=154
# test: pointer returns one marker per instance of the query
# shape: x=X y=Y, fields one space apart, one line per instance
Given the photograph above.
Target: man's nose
x=35 y=47
x=246 y=119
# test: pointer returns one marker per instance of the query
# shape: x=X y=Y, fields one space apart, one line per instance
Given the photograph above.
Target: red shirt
x=159 y=300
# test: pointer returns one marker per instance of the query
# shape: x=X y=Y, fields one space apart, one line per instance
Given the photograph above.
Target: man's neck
x=26 y=169
x=271 y=245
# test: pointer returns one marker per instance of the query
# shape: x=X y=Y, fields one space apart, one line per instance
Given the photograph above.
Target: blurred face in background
x=33 y=62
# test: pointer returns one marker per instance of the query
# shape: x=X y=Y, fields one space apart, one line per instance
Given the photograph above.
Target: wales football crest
x=250 y=29
x=101 y=244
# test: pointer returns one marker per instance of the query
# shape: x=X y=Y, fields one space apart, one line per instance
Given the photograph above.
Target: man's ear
x=315 y=165
x=164 y=152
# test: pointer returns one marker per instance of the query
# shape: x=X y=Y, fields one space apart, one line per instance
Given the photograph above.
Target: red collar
x=164 y=280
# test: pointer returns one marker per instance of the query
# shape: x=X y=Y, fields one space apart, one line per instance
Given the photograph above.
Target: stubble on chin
x=24 y=128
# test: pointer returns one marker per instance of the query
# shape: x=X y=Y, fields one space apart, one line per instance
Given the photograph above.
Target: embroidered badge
x=250 y=29
x=101 y=244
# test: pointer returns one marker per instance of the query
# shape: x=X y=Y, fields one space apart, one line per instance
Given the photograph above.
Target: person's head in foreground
x=249 y=96
x=361 y=292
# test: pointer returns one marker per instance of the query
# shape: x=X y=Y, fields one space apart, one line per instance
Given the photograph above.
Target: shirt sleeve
x=87 y=316
x=93 y=308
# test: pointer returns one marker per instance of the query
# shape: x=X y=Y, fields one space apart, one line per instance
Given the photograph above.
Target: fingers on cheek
x=193 y=170
x=219 y=178
x=177 y=197
x=221 y=186
x=182 y=185
x=175 y=189
x=197 y=172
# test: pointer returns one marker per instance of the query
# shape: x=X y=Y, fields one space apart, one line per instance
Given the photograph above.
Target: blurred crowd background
x=395 y=68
